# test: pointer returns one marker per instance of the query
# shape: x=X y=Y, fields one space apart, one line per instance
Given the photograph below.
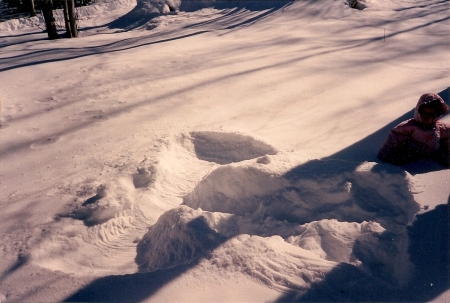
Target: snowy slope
x=222 y=152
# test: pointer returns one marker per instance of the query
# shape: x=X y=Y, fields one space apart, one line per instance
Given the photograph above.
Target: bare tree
x=47 y=11
x=32 y=9
x=73 y=24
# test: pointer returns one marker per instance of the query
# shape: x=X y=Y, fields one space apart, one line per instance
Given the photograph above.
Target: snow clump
x=112 y=199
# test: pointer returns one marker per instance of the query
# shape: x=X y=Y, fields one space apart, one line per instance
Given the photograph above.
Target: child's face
x=428 y=114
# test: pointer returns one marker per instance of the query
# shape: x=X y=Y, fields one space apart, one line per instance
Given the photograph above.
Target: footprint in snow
x=30 y=130
x=45 y=142
x=88 y=115
x=4 y=121
x=49 y=100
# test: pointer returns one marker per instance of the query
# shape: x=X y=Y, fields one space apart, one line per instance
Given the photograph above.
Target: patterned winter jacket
x=425 y=139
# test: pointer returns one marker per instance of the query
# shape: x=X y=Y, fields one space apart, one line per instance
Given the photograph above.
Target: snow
x=221 y=151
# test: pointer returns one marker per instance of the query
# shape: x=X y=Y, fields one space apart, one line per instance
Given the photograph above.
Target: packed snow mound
x=90 y=11
x=218 y=241
x=296 y=219
x=333 y=240
x=183 y=235
x=235 y=189
x=270 y=260
x=179 y=236
x=22 y=23
x=288 y=227
x=147 y=7
x=225 y=148
x=197 y=232
x=314 y=191
x=145 y=10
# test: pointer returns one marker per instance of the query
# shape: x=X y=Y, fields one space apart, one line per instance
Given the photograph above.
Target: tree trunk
x=32 y=9
x=67 y=20
x=73 y=24
x=47 y=11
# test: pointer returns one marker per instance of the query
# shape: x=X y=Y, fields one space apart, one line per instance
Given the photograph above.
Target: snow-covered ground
x=221 y=152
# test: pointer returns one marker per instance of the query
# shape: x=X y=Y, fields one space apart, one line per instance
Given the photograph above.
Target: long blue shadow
x=127 y=288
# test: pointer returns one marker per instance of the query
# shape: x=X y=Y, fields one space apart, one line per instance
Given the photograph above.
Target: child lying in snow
x=420 y=137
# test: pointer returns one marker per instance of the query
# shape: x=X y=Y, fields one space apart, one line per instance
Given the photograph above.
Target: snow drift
x=300 y=223
x=313 y=191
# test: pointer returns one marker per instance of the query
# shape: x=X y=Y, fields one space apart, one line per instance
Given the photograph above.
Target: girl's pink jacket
x=425 y=140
